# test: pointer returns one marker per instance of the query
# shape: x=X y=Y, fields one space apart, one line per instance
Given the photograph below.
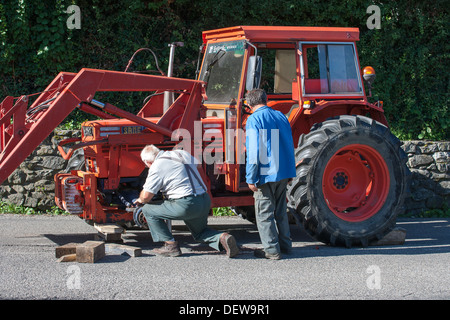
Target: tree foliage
x=410 y=52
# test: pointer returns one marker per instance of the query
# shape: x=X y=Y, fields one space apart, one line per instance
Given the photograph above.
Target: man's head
x=148 y=154
x=256 y=97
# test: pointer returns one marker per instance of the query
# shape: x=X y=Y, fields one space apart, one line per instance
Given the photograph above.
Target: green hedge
x=410 y=52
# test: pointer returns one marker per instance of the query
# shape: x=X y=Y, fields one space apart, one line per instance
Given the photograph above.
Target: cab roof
x=282 y=34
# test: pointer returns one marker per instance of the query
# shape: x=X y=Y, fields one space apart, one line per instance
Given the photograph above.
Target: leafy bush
x=410 y=52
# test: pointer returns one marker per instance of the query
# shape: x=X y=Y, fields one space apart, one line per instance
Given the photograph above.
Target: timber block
x=69 y=248
x=121 y=249
x=109 y=237
x=109 y=232
x=68 y=258
x=90 y=251
x=396 y=237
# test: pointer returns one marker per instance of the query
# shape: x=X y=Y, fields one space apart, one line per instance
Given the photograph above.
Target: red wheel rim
x=355 y=183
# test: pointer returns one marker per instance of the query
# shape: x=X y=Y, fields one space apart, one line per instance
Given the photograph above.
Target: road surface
x=419 y=269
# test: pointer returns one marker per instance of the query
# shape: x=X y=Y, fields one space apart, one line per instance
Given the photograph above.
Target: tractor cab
x=304 y=70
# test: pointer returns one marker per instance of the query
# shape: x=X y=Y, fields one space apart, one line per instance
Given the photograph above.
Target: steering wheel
x=245 y=108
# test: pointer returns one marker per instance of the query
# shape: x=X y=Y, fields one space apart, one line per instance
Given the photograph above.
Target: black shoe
x=169 y=250
x=229 y=244
x=259 y=253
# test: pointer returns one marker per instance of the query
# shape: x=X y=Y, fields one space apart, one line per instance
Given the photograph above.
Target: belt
x=189 y=196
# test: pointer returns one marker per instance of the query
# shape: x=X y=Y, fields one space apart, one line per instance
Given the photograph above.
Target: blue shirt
x=270 y=147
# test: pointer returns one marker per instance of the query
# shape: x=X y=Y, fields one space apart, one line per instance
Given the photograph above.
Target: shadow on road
x=423 y=236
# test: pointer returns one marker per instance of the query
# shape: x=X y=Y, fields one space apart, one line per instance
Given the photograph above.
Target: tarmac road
x=419 y=269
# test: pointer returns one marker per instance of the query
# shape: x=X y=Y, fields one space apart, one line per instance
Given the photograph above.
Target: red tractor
x=351 y=173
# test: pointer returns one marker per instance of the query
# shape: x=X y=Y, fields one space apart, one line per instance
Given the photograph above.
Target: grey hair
x=149 y=153
x=256 y=96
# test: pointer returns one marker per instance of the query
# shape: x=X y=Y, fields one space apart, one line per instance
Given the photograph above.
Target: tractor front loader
x=23 y=129
x=351 y=172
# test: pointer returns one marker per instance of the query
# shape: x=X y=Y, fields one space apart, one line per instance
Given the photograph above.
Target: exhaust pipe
x=168 y=96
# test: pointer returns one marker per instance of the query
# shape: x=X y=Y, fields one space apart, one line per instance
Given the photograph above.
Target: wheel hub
x=355 y=182
x=340 y=180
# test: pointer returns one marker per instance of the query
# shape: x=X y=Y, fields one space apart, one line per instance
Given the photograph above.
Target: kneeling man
x=175 y=174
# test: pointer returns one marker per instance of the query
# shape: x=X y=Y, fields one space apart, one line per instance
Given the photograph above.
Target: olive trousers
x=271 y=217
x=193 y=210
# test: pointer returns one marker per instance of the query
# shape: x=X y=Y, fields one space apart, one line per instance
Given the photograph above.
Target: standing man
x=175 y=174
x=269 y=167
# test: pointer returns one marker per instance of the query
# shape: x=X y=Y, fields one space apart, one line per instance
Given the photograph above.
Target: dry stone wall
x=32 y=185
x=429 y=163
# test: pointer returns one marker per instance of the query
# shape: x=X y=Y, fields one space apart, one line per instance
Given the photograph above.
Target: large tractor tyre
x=351 y=181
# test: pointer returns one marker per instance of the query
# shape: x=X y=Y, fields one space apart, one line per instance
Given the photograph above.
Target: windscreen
x=221 y=70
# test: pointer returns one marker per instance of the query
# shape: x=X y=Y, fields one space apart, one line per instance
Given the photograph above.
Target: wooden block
x=396 y=237
x=90 y=251
x=109 y=232
x=108 y=228
x=121 y=249
x=109 y=237
x=68 y=258
x=69 y=248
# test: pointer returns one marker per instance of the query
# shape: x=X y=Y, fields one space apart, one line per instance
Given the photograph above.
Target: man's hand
x=253 y=187
x=144 y=197
x=138 y=202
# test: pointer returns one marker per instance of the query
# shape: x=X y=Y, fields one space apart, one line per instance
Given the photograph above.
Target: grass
x=217 y=212
x=222 y=212
x=17 y=209
x=443 y=212
x=6 y=207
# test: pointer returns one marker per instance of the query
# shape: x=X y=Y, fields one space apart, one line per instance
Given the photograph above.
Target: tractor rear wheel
x=351 y=181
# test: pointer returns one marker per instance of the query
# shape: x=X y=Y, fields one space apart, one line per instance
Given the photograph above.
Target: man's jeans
x=271 y=216
x=193 y=210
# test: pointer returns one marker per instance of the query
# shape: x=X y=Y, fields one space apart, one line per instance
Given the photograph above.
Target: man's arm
x=144 y=197
x=252 y=146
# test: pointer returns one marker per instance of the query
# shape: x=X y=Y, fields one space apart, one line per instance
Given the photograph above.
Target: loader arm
x=23 y=129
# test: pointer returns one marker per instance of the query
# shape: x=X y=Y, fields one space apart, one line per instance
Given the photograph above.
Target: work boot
x=229 y=244
x=260 y=253
x=169 y=250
